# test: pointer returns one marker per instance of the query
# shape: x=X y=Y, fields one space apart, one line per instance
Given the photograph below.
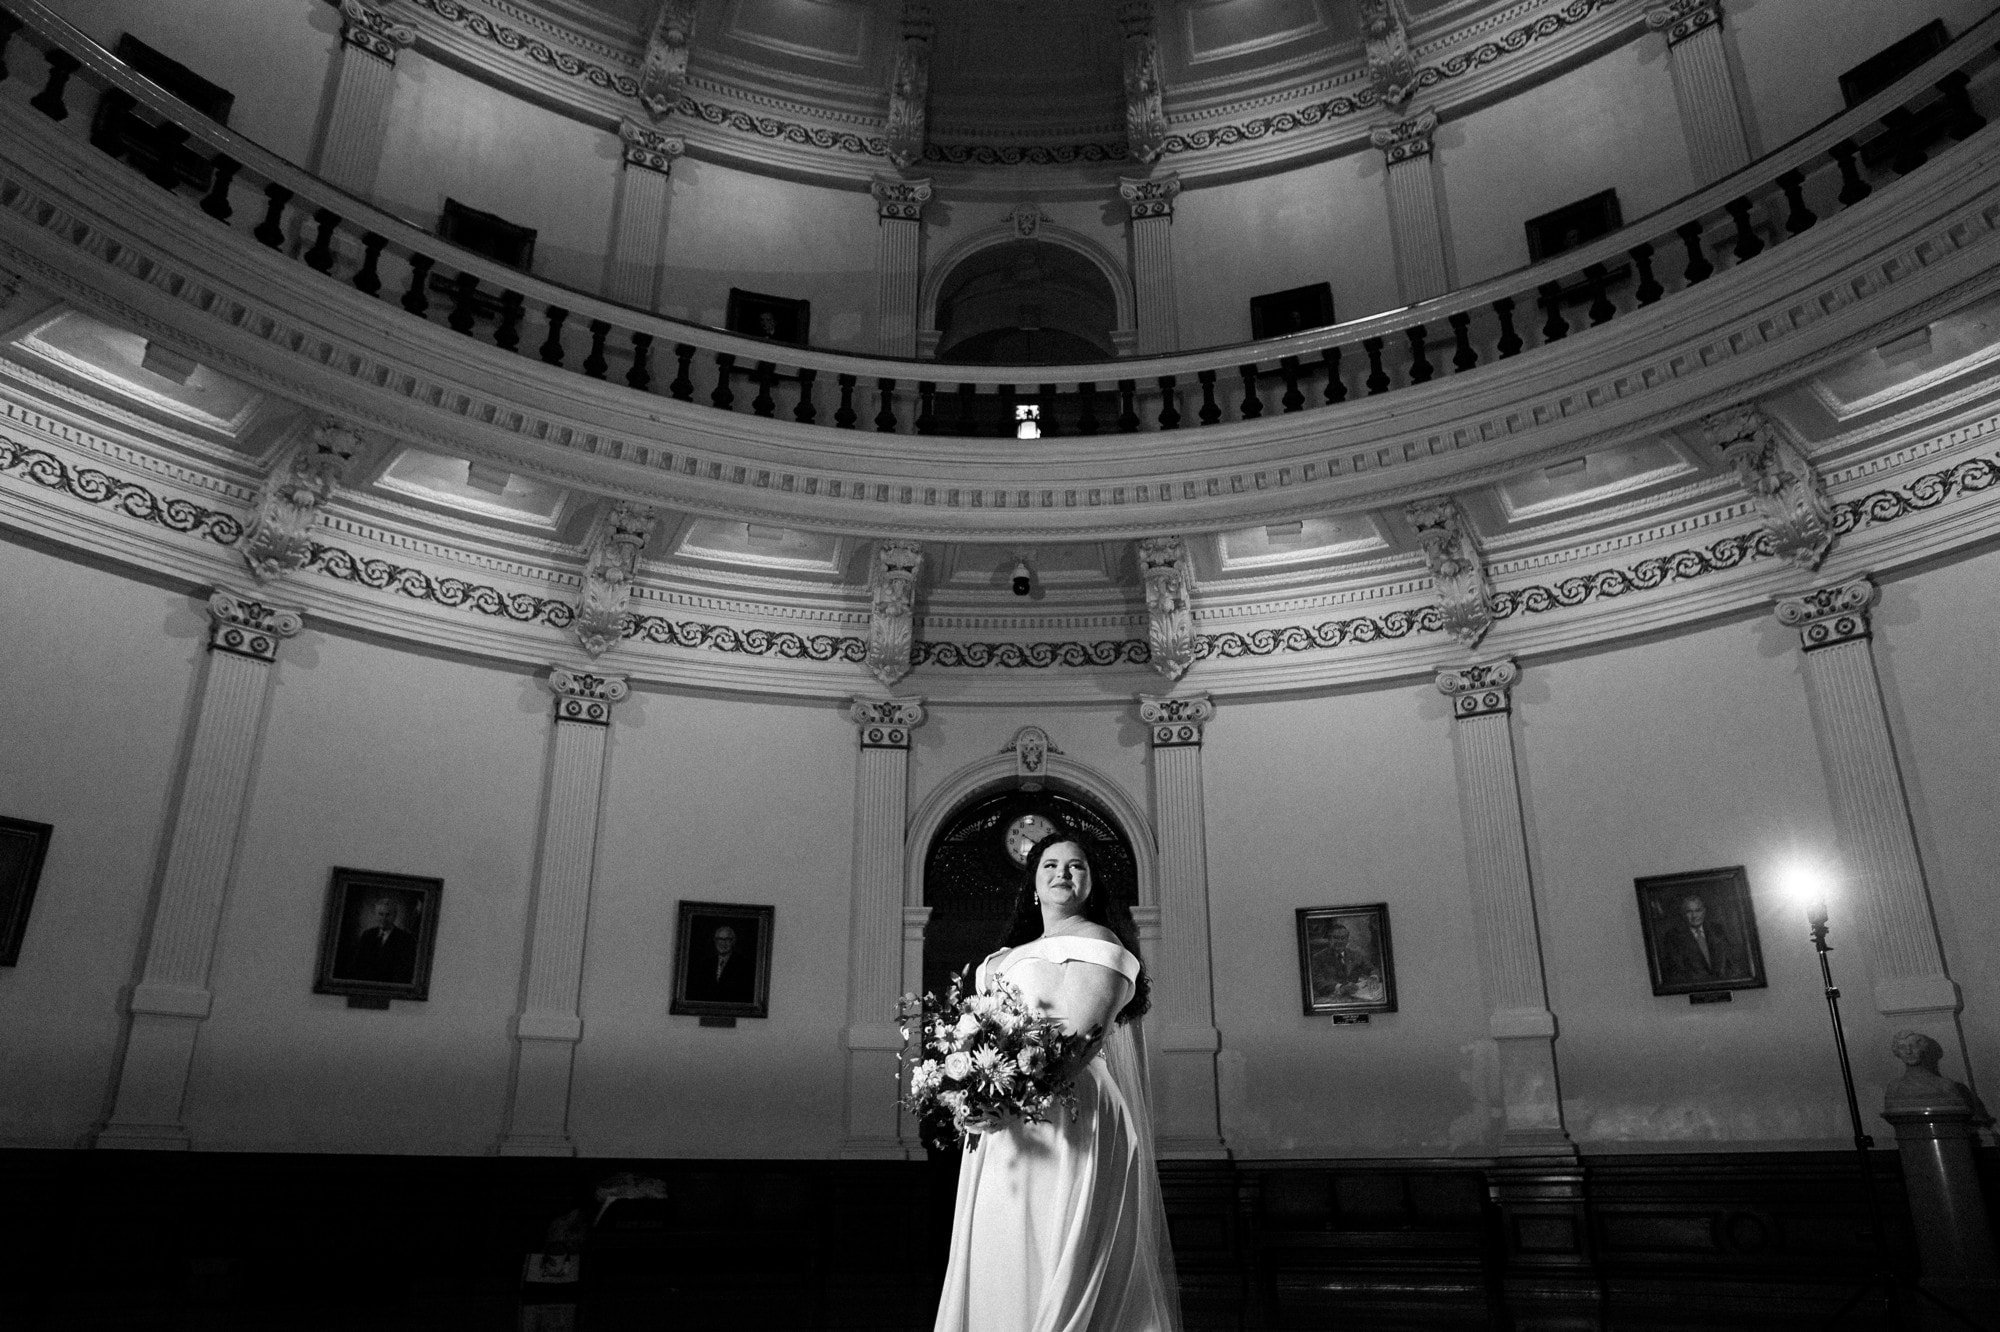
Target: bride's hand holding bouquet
x=987 y=1057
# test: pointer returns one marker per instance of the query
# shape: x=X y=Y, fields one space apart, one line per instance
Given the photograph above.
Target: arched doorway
x=1025 y=302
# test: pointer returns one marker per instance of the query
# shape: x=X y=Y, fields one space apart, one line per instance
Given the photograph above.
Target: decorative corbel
x=1780 y=479
x=610 y=566
x=1458 y=572
x=892 y=596
x=1385 y=42
x=648 y=149
x=1028 y=219
x=1145 y=109
x=1031 y=748
x=910 y=86
x=368 y=28
x=279 y=538
x=1169 y=581
x=663 y=75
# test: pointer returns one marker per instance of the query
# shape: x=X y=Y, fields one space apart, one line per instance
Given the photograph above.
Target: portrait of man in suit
x=1701 y=933
x=380 y=949
x=1697 y=947
x=722 y=974
x=722 y=962
x=1345 y=965
x=379 y=933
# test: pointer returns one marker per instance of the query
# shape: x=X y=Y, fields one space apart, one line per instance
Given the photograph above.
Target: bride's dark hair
x=1098 y=908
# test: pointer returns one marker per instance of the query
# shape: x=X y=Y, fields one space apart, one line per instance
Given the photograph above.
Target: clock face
x=1023 y=833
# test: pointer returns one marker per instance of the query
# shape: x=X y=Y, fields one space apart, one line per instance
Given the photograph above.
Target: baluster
x=1420 y=364
x=640 y=376
x=1964 y=120
x=594 y=363
x=49 y=101
x=1336 y=387
x=1748 y=245
x=1853 y=189
x=551 y=349
x=807 y=411
x=967 y=425
x=513 y=307
x=1510 y=341
x=1463 y=357
x=320 y=257
x=1378 y=378
x=682 y=387
x=1557 y=328
x=1253 y=406
x=926 y=406
x=271 y=231
x=415 y=297
x=843 y=415
x=1086 y=419
x=464 y=296
x=1798 y=217
x=1128 y=407
x=1170 y=404
x=1698 y=267
x=1293 y=399
x=1601 y=308
x=223 y=169
x=885 y=416
x=1007 y=425
x=1045 y=398
x=764 y=404
x=725 y=370
x=1209 y=413
x=9 y=25
x=368 y=280
x=1650 y=289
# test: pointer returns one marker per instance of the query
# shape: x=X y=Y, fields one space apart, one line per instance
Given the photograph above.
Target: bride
x=1059 y=1226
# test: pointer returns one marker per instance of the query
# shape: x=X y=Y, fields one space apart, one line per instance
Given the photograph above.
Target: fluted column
x=1710 y=116
x=1150 y=201
x=1406 y=146
x=1880 y=874
x=350 y=148
x=899 y=258
x=550 y=1024
x=1503 y=905
x=1182 y=1027
x=639 y=235
x=171 y=999
x=878 y=928
x=916 y=920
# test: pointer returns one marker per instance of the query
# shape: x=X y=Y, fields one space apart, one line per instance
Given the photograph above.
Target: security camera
x=1023 y=578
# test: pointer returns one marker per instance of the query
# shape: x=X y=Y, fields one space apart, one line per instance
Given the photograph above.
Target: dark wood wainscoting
x=217 y=1241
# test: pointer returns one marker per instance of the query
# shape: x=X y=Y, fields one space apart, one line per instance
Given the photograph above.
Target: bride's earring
x=1038 y=899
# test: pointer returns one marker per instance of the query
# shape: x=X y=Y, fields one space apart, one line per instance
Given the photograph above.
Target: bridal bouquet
x=986 y=1055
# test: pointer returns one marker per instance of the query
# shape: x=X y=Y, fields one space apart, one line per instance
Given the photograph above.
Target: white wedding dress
x=1059 y=1226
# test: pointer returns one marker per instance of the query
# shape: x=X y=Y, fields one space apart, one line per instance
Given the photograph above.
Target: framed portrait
x=1573 y=225
x=23 y=847
x=722 y=960
x=777 y=318
x=1277 y=313
x=1346 y=967
x=377 y=938
x=1701 y=933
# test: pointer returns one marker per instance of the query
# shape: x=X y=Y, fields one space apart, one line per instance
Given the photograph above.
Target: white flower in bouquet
x=968 y=1024
x=957 y=1066
x=1032 y=1060
x=926 y=1078
x=995 y=1069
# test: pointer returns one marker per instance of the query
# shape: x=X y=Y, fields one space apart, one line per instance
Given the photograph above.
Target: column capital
x=585 y=696
x=1829 y=616
x=1407 y=139
x=1150 y=196
x=1682 y=19
x=885 y=723
x=1482 y=690
x=1176 y=721
x=899 y=200
x=248 y=627
x=648 y=148
x=369 y=29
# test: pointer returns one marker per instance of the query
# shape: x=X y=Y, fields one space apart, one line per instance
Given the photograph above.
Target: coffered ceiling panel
x=1221 y=29
x=834 y=31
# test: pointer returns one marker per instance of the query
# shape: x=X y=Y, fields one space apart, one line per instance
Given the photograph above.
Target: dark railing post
x=1420 y=362
x=843 y=415
x=464 y=303
x=807 y=411
x=1853 y=189
x=1209 y=413
x=967 y=424
x=1128 y=407
x=725 y=368
x=1045 y=398
x=1698 y=268
x=1170 y=404
x=885 y=411
x=1293 y=399
x=320 y=257
x=1557 y=328
x=415 y=296
x=223 y=170
x=640 y=376
x=1798 y=217
x=1007 y=400
x=1086 y=418
x=1601 y=308
x=1253 y=406
x=682 y=387
x=368 y=281
x=1378 y=378
x=1649 y=289
x=1336 y=387
x=1510 y=341
x=1748 y=244
x=551 y=350
x=765 y=403
x=926 y=406
x=513 y=307
x=49 y=101
x=594 y=363
x=271 y=231
x=1463 y=357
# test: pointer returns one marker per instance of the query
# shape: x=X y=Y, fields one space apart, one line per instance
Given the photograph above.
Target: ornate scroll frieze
x=279 y=539
x=1175 y=721
x=663 y=75
x=366 y=27
x=1682 y=19
x=648 y=149
x=900 y=200
x=910 y=86
x=885 y=723
x=1145 y=108
x=1031 y=748
x=1150 y=197
x=1407 y=139
x=1829 y=616
x=1780 y=479
x=585 y=697
x=1458 y=571
x=892 y=605
x=1482 y=690
x=1385 y=42
x=248 y=627
x=1168 y=577
x=609 y=568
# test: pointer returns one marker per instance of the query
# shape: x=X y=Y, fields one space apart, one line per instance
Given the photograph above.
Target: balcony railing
x=339 y=239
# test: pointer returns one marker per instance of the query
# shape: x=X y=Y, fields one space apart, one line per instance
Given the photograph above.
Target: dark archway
x=1025 y=302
